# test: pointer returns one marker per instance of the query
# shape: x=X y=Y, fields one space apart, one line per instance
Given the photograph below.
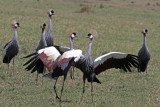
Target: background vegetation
x=118 y=23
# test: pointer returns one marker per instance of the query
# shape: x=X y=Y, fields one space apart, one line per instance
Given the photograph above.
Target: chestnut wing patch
x=47 y=61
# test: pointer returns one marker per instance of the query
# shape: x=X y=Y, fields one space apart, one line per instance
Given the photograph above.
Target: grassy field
x=118 y=23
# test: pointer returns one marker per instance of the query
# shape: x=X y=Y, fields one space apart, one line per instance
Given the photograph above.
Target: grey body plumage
x=143 y=54
x=11 y=49
x=42 y=43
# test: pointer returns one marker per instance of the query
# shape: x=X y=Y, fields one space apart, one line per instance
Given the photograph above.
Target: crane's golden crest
x=49 y=11
x=41 y=26
x=13 y=22
x=94 y=33
x=70 y=31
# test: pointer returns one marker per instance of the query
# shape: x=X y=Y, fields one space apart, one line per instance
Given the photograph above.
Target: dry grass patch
x=86 y=9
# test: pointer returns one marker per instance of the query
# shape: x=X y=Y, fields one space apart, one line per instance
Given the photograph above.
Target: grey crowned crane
x=143 y=54
x=42 y=44
x=11 y=49
x=63 y=49
x=51 y=58
x=91 y=68
x=61 y=64
x=48 y=36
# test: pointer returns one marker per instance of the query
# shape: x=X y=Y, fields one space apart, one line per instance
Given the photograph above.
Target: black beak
x=87 y=36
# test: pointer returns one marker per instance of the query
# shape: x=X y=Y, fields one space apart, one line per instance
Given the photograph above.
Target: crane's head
x=144 y=31
x=43 y=26
x=93 y=33
x=73 y=35
x=15 y=24
x=50 y=12
x=90 y=36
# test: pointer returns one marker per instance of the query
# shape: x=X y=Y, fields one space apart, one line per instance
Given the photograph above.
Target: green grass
x=118 y=25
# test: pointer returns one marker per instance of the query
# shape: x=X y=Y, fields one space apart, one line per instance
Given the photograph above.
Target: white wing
x=115 y=60
x=67 y=56
x=48 y=56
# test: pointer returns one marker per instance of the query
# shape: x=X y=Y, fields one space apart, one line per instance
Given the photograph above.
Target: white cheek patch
x=50 y=13
x=91 y=37
x=72 y=36
x=16 y=25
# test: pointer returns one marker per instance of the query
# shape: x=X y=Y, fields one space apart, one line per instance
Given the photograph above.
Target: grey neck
x=71 y=43
x=89 y=48
x=144 y=40
x=50 y=23
x=43 y=38
x=15 y=33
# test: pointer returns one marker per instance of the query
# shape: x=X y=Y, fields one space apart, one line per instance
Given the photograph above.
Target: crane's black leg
x=55 y=89
x=92 y=91
x=37 y=78
x=138 y=68
x=13 y=65
x=8 y=67
x=73 y=73
x=44 y=70
x=8 y=64
x=84 y=78
x=63 y=86
x=146 y=72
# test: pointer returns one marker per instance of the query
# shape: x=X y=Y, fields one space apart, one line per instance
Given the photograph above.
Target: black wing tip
x=30 y=55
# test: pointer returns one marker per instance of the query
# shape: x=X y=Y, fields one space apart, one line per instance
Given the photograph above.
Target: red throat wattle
x=15 y=29
x=144 y=34
x=50 y=17
x=90 y=41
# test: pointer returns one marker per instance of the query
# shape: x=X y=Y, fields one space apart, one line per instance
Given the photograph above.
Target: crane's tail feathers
x=30 y=55
x=49 y=75
x=94 y=80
